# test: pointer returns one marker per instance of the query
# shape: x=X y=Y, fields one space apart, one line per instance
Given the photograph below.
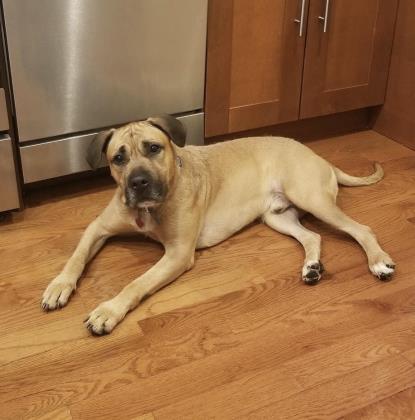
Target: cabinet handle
x=301 y=20
x=325 y=18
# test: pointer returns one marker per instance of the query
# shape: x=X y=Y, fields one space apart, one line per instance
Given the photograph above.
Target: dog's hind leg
x=323 y=206
x=288 y=223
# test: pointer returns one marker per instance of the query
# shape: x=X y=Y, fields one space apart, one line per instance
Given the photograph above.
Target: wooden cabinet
x=254 y=64
x=346 y=67
x=261 y=72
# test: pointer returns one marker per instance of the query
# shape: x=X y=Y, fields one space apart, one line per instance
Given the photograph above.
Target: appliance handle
x=325 y=18
x=301 y=20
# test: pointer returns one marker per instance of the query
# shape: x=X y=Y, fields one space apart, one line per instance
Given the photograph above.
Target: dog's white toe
x=57 y=294
x=104 y=318
x=383 y=270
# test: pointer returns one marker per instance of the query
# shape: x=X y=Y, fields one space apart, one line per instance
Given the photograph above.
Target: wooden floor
x=239 y=336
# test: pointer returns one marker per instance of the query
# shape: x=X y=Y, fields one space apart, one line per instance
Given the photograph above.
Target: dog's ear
x=171 y=126
x=98 y=147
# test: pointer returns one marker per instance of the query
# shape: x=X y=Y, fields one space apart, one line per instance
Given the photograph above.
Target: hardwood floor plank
x=410 y=355
x=352 y=353
x=62 y=413
x=397 y=407
x=282 y=386
x=343 y=395
x=148 y=416
x=327 y=401
x=365 y=144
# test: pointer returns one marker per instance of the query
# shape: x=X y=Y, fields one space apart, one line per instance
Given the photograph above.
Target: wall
x=397 y=117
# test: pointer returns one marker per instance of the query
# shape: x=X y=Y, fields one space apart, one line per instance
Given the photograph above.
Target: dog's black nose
x=139 y=182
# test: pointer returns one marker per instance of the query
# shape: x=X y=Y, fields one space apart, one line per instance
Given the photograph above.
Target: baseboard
x=311 y=128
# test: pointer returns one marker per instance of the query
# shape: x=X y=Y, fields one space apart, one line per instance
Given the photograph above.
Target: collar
x=179 y=161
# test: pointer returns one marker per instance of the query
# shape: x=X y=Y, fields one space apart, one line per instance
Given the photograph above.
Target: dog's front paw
x=104 y=318
x=57 y=294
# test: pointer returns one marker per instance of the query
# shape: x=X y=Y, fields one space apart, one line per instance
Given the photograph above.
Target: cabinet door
x=254 y=63
x=346 y=67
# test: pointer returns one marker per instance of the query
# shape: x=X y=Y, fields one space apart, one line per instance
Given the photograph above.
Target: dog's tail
x=353 y=181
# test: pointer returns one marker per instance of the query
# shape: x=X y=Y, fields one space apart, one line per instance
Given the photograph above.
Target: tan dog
x=194 y=197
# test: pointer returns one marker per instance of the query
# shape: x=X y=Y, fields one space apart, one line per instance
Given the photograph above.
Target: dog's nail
x=392 y=266
x=312 y=277
x=385 y=276
x=96 y=333
x=311 y=282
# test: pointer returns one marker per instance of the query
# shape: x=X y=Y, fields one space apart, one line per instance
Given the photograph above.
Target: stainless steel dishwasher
x=77 y=66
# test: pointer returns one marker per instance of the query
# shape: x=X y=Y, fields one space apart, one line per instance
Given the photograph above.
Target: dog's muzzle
x=143 y=190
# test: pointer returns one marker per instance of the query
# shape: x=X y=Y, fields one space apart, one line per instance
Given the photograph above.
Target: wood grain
x=218 y=66
x=327 y=401
x=238 y=336
x=398 y=406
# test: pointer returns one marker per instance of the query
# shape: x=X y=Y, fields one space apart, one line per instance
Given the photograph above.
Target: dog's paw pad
x=312 y=272
x=316 y=266
x=312 y=277
x=383 y=271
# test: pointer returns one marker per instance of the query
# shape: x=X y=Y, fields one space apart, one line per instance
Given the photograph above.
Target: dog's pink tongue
x=139 y=222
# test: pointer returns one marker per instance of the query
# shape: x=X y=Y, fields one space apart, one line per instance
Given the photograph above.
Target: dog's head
x=142 y=158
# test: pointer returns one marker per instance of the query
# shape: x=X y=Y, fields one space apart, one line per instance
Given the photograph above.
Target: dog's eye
x=118 y=159
x=155 y=148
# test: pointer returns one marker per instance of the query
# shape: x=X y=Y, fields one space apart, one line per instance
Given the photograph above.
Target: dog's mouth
x=134 y=200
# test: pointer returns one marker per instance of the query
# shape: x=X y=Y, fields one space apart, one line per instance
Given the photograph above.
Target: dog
x=197 y=196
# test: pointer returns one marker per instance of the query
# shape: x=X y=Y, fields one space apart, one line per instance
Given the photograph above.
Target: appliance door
x=60 y=157
x=78 y=65
x=9 y=197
